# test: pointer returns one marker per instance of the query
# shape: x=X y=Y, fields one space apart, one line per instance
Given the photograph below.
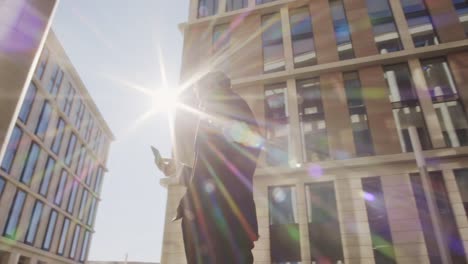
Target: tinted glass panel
x=92 y=212
x=84 y=246
x=28 y=103
x=83 y=204
x=276 y=111
x=61 y=188
x=76 y=236
x=419 y=23
x=439 y=78
x=34 y=223
x=302 y=37
x=70 y=149
x=12 y=147
x=73 y=193
x=14 y=215
x=30 y=164
x=385 y=31
x=58 y=136
x=342 y=32
x=44 y=119
x=63 y=236
x=272 y=36
x=452 y=119
x=232 y=5
x=50 y=230
x=207 y=8
x=47 y=176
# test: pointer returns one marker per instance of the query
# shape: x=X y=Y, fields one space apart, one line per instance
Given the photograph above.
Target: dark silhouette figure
x=219 y=221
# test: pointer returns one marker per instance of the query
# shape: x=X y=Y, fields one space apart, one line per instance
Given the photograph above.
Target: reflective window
x=44 y=119
x=67 y=101
x=342 y=32
x=385 y=31
x=98 y=184
x=92 y=212
x=358 y=115
x=30 y=163
x=89 y=127
x=63 y=237
x=12 y=147
x=57 y=143
x=70 y=150
x=377 y=216
x=406 y=109
x=84 y=247
x=61 y=187
x=277 y=118
x=34 y=223
x=302 y=38
x=81 y=160
x=47 y=176
x=76 y=236
x=324 y=225
x=312 y=120
x=272 y=37
x=49 y=235
x=284 y=230
x=452 y=118
x=72 y=199
x=232 y=5
x=14 y=215
x=419 y=23
x=79 y=114
x=83 y=204
x=461 y=6
x=28 y=103
x=55 y=81
x=90 y=172
x=42 y=64
x=439 y=78
x=207 y=8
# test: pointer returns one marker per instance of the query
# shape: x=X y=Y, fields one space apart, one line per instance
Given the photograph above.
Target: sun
x=165 y=100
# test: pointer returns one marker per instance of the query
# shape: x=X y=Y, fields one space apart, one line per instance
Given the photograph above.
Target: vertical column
x=340 y=133
x=261 y=251
x=458 y=63
x=360 y=27
x=400 y=21
x=303 y=223
x=407 y=233
x=31 y=260
x=379 y=111
x=287 y=40
x=432 y=122
x=295 y=149
x=251 y=3
x=445 y=20
x=221 y=6
x=354 y=226
x=322 y=25
x=193 y=10
x=13 y=258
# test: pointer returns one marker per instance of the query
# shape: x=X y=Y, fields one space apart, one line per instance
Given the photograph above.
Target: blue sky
x=112 y=43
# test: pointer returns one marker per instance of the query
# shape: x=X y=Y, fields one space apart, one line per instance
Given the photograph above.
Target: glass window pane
x=47 y=176
x=81 y=159
x=419 y=23
x=16 y=209
x=42 y=64
x=438 y=77
x=453 y=121
x=277 y=145
x=61 y=187
x=411 y=116
x=28 y=103
x=83 y=204
x=385 y=31
x=272 y=36
x=73 y=193
x=461 y=6
x=400 y=82
x=34 y=223
x=44 y=119
x=282 y=205
x=50 y=230
x=30 y=163
x=58 y=136
x=63 y=237
x=92 y=212
x=84 y=247
x=68 y=99
x=342 y=32
x=302 y=37
x=99 y=175
x=232 y=5
x=76 y=236
x=207 y=8
x=2 y=185
x=461 y=176
x=11 y=150
x=70 y=149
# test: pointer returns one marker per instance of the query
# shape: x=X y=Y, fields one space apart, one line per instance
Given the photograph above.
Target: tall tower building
x=336 y=84
x=53 y=166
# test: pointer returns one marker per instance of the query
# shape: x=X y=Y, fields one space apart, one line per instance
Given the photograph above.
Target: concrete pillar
x=425 y=101
x=221 y=6
x=295 y=144
x=400 y=20
x=379 y=111
x=251 y=3
x=360 y=27
x=340 y=133
x=23 y=27
x=458 y=63
x=193 y=10
x=287 y=40
x=322 y=25
x=32 y=260
x=13 y=258
x=445 y=20
x=303 y=223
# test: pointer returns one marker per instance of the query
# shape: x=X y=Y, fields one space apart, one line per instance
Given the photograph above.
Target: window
x=324 y=225
x=84 y=247
x=446 y=101
x=70 y=149
x=63 y=237
x=2 y=185
x=66 y=106
x=83 y=204
x=221 y=37
x=358 y=115
x=277 y=117
x=461 y=177
x=47 y=176
x=72 y=199
x=207 y=8
x=99 y=175
x=34 y=223
x=90 y=172
x=57 y=143
x=302 y=38
x=30 y=163
x=385 y=31
x=76 y=236
x=50 y=231
x=381 y=235
x=284 y=229
x=461 y=6
x=81 y=159
x=14 y=215
x=55 y=81
x=342 y=32
x=28 y=103
x=272 y=37
x=448 y=224
x=232 y=5
x=406 y=109
x=42 y=64
x=61 y=188
x=44 y=119
x=79 y=115
x=92 y=212
x=312 y=120
x=259 y=2
x=12 y=147
x=419 y=23
x=89 y=127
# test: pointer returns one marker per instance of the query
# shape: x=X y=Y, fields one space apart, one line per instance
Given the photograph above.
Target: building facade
x=53 y=167
x=336 y=84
